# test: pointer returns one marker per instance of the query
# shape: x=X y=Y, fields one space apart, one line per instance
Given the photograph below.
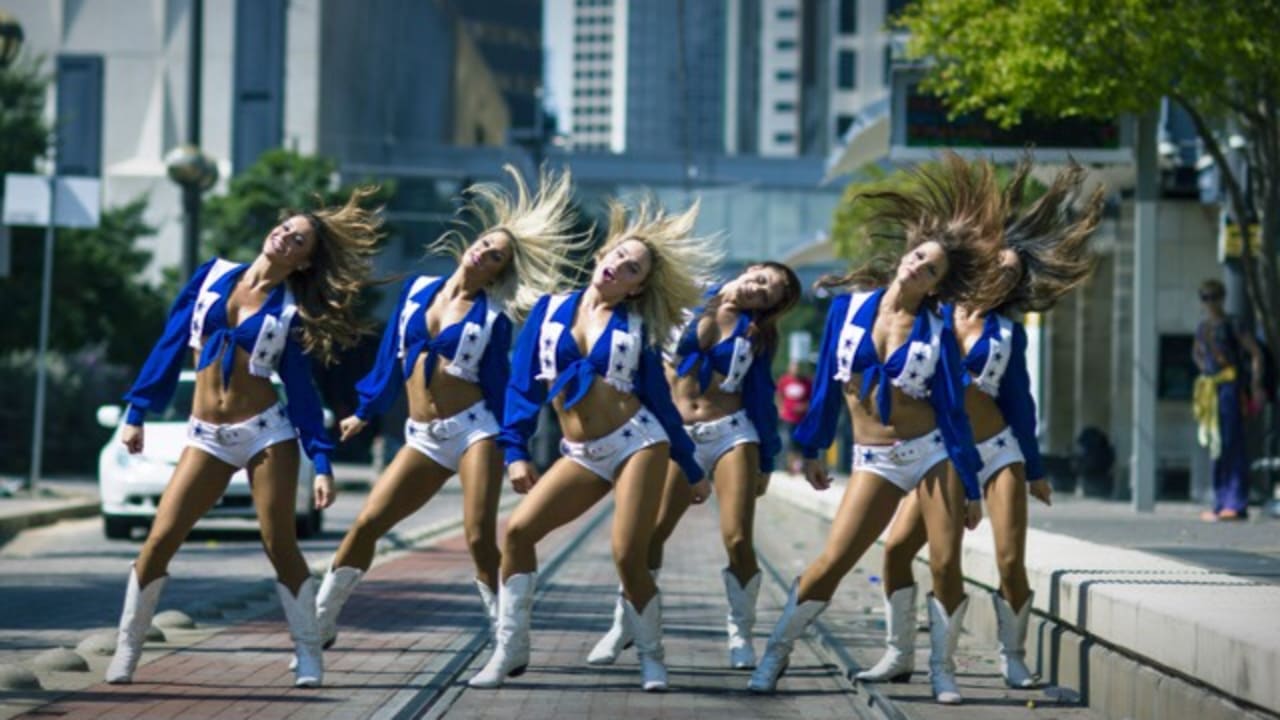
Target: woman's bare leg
x=197 y=483
x=676 y=499
x=563 y=493
x=865 y=510
x=637 y=495
x=481 y=472
x=906 y=536
x=1006 y=494
x=735 y=479
x=942 y=505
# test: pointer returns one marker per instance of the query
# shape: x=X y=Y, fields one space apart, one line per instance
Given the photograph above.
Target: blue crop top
x=744 y=372
x=926 y=366
x=546 y=352
x=476 y=347
x=198 y=320
x=997 y=365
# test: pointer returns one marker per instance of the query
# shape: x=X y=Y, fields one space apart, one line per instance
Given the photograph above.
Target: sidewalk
x=1147 y=616
x=413 y=633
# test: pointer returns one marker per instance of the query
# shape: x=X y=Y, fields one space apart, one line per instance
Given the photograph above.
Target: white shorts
x=236 y=443
x=998 y=451
x=714 y=438
x=903 y=463
x=445 y=440
x=603 y=456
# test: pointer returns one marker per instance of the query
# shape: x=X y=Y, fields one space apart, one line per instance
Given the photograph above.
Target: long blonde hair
x=541 y=228
x=340 y=267
x=954 y=203
x=681 y=264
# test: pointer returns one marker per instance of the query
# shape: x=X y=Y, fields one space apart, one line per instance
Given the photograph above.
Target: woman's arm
x=817 y=429
x=946 y=394
x=525 y=394
x=304 y=407
x=153 y=389
x=1018 y=407
x=380 y=387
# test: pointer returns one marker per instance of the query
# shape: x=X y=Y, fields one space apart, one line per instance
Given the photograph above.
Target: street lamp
x=10 y=39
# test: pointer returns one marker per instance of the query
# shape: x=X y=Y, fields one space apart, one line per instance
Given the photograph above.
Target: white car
x=130 y=485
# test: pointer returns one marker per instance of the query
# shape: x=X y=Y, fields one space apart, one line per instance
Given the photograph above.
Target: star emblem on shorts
x=472 y=416
x=866 y=456
x=262 y=423
x=1001 y=442
x=196 y=430
x=627 y=433
x=937 y=439
x=644 y=419
x=734 y=422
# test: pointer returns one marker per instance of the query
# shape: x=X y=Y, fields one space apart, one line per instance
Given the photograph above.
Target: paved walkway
x=413 y=633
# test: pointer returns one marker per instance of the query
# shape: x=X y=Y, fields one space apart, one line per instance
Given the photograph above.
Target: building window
x=787 y=13
x=784 y=106
x=843 y=123
x=847 y=70
x=785 y=75
x=784 y=138
x=848 y=17
x=786 y=44
x=888 y=64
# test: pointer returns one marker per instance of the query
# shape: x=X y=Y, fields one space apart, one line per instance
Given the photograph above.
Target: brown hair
x=763 y=329
x=1050 y=238
x=954 y=203
x=340 y=267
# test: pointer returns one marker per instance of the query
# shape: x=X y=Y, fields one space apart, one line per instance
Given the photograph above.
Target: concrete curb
x=1137 y=635
x=15 y=522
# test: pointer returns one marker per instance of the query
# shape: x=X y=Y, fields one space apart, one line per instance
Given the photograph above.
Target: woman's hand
x=1041 y=490
x=816 y=473
x=762 y=483
x=131 y=436
x=351 y=426
x=701 y=491
x=972 y=513
x=523 y=476
x=325 y=491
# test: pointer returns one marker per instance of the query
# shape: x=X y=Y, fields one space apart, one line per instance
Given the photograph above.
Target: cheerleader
x=888 y=354
x=722 y=386
x=292 y=304
x=592 y=353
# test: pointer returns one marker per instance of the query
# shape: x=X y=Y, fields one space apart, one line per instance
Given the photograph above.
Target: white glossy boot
x=511 y=645
x=619 y=636
x=490 y=600
x=647 y=629
x=135 y=620
x=304 y=628
x=741 y=620
x=1011 y=631
x=944 y=634
x=335 y=589
x=777 y=654
x=899 y=659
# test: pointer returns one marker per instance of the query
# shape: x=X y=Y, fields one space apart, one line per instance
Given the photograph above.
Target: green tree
x=22 y=90
x=1219 y=61
x=234 y=224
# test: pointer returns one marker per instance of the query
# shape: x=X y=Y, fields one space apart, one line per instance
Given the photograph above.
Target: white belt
x=902 y=453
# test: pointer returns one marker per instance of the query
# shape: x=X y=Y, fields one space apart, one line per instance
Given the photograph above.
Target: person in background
x=1219 y=402
x=795 y=387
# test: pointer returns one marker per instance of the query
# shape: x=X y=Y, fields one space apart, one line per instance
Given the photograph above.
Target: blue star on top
x=622 y=346
x=920 y=356
x=996 y=356
x=472 y=416
x=466 y=356
x=644 y=419
x=472 y=335
x=262 y=423
x=271 y=336
x=734 y=422
x=618 y=367
x=1001 y=442
x=937 y=439
x=848 y=342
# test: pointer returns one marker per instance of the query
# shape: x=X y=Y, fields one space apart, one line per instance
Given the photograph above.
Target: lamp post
x=187 y=165
x=10 y=39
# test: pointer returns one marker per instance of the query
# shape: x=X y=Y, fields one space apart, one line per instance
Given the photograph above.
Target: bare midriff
x=245 y=396
x=697 y=406
x=909 y=417
x=445 y=396
x=601 y=411
x=984 y=415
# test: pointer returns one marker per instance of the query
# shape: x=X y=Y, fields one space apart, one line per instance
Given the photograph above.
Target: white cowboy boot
x=135 y=620
x=335 y=589
x=777 y=654
x=1011 y=631
x=647 y=629
x=741 y=619
x=944 y=634
x=511 y=645
x=304 y=628
x=619 y=636
x=899 y=659
x=490 y=600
